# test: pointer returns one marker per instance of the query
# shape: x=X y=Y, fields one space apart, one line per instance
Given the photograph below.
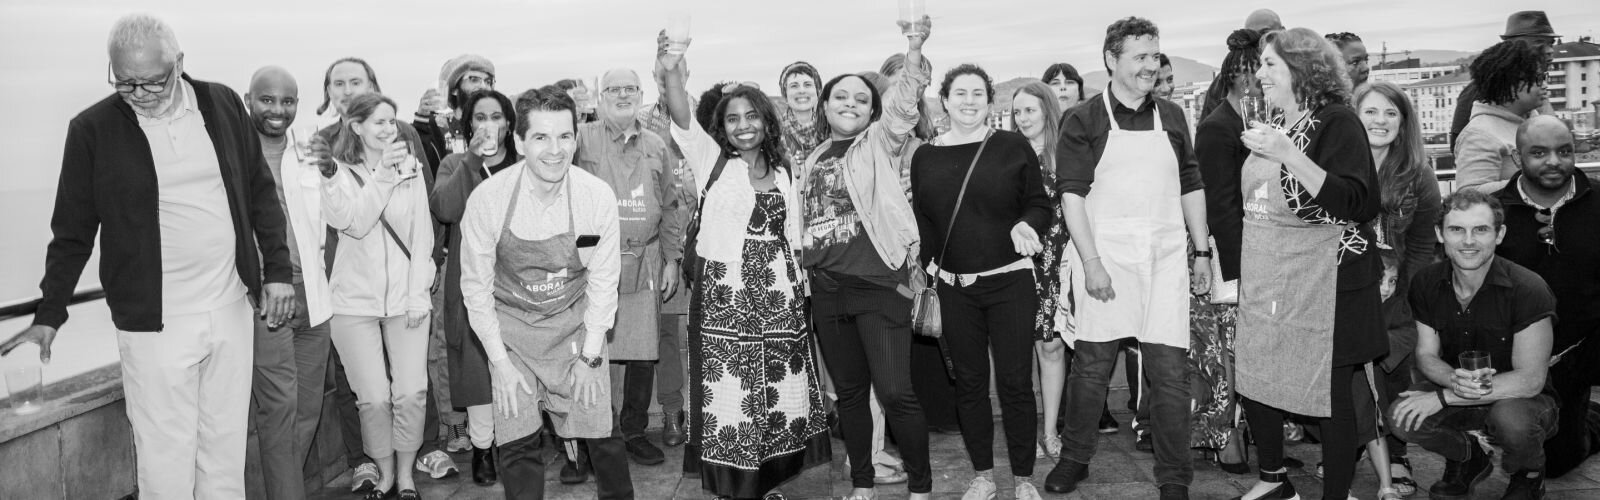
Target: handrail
x=30 y=307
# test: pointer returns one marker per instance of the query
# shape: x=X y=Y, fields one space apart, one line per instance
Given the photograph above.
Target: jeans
x=291 y=364
x=671 y=368
x=1519 y=426
x=864 y=330
x=522 y=471
x=1167 y=370
x=995 y=312
x=637 y=386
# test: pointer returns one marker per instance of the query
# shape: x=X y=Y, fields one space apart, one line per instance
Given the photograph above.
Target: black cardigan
x=108 y=181
x=1222 y=155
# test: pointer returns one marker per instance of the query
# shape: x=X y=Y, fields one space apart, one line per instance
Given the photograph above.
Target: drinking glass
x=1475 y=361
x=912 y=11
x=490 y=147
x=23 y=380
x=1254 y=109
x=408 y=167
x=678 y=32
x=301 y=137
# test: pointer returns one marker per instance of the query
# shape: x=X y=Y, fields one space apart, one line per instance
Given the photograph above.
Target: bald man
x=1551 y=213
x=167 y=174
x=637 y=165
x=291 y=359
x=1263 y=20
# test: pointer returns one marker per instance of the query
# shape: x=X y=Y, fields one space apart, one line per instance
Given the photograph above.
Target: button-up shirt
x=617 y=156
x=1083 y=140
x=1511 y=299
x=594 y=212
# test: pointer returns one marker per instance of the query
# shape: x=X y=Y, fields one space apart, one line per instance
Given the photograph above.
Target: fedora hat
x=1528 y=23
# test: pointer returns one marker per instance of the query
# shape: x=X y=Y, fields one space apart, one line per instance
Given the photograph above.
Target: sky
x=52 y=54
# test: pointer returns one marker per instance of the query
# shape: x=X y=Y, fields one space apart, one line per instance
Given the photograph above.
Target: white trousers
x=391 y=391
x=480 y=425
x=187 y=392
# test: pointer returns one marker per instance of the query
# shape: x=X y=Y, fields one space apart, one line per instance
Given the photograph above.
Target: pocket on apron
x=632 y=276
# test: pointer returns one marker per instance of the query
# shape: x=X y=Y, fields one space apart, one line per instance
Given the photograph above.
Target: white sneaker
x=1026 y=491
x=981 y=488
x=459 y=442
x=364 y=477
x=437 y=464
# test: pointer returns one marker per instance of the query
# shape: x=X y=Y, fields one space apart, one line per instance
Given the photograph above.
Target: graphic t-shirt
x=834 y=239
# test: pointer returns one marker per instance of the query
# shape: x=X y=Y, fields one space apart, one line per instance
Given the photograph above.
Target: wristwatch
x=592 y=362
x=1202 y=254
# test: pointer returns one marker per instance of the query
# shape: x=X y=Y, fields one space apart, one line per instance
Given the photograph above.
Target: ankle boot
x=483 y=468
x=672 y=428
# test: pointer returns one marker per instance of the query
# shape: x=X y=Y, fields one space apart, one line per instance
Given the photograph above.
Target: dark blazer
x=108 y=185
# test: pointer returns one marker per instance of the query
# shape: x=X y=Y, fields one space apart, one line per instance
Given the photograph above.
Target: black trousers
x=638 y=385
x=864 y=330
x=934 y=384
x=994 y=313
x=1578 y=435
x=1341 y=443
x=522 y=472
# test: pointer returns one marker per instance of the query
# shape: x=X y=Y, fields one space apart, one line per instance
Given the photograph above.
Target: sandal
x=1404 y=485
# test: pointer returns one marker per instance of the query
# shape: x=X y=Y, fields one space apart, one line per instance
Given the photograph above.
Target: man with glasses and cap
x=168 y=174
x=439 y=116
x=1531 y=26
x=637 y=165
x=1550 y=216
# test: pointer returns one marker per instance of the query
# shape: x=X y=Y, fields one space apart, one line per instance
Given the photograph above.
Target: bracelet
x=1442 y=401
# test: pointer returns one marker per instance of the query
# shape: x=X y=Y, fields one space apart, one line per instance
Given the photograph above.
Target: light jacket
x=302 y=195
x=873 y=166
x=1486 y=151
x=371 y=275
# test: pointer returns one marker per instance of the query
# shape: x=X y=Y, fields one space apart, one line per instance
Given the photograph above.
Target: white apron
x=1137 y=222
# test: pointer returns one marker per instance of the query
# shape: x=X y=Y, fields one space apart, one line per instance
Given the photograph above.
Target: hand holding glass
x=912 y=11
x=1480 y=363
x=23 y=381
x=677 y=32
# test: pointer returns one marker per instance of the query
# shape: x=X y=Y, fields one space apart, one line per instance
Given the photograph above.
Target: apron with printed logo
x=1137 y=220
x=540 y=299
x=636 y=337
x=1283 y=347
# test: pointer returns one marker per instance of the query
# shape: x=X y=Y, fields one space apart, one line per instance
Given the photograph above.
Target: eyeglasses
x=126 y=87
x=479 y=80
x=1547 y=233
x=627 y=90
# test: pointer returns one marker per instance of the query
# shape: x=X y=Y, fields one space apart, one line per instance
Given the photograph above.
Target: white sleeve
x=422 y=266
x=605 y=267
x=480 y=232
x=699 y=150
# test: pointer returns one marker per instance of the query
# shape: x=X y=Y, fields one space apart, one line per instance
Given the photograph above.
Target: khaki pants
x=391 y=398
x=187 y=390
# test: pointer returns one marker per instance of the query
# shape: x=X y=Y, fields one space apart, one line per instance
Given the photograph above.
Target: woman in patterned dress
x=756 y=414
x=1037 y=112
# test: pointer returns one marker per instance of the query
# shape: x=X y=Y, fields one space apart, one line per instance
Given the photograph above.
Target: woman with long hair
x=746 y=307
x=1411 y=205
x=490 y=132
x=1036 y=111
x=380 y=279
x=856 y=240
x=1222 y=155
x=1309 y=308
x=985 y=185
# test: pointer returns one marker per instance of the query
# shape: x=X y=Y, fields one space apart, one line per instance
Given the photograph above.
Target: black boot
x=672 y=428
x=1284 y=491
x=1065 y=476
x=1460 y=476
x=576 y=471
x=483 y=471
x=1525 y=485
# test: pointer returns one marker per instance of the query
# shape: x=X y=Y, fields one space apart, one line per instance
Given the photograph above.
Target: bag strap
x=397 y=241
x=333 y=235
x=960 y=195
x=716 y=172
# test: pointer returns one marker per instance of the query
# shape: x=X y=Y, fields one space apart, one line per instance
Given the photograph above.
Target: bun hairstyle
x=1243 y=39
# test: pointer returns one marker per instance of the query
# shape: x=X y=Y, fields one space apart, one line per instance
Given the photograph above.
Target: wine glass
x=1254 y=109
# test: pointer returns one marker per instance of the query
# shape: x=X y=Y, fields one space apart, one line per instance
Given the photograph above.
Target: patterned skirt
x=755 y=404
x=1211 y=329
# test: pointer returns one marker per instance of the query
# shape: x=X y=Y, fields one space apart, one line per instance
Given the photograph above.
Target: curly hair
x=1505 y=69
x=872 y=88
x=1407 y=157
x=962 y=70
x=772 y=131
x=1315 y=66
x=1066 y=70
x=1120 y=31
x=1342 y=39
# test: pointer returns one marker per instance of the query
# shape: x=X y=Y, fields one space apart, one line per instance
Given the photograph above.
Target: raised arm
x=672 y=73
x=900 y=100
x=353 y=206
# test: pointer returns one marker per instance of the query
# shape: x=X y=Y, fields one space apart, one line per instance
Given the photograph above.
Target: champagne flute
x=1478 y=362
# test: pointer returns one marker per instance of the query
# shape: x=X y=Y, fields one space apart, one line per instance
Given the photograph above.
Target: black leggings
x=1340 y=443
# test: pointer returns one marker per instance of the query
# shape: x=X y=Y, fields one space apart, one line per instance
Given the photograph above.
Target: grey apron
x=540 y=299
x=1283 y=348
x=636 y=336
